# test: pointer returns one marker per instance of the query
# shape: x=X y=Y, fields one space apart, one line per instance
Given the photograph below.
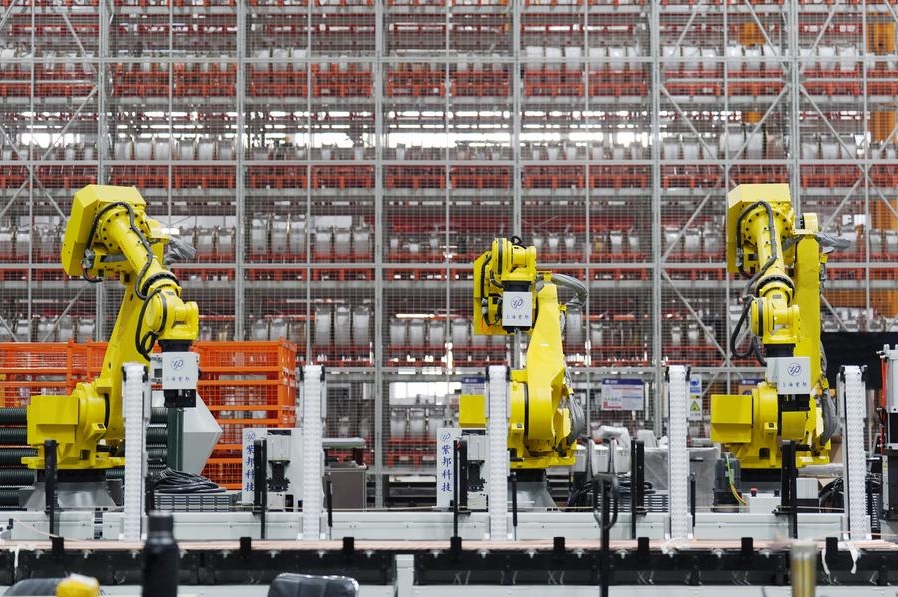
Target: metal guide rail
x=543 y=562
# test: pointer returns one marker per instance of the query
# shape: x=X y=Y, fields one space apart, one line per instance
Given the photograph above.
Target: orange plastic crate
x=18 y=393
x=28 y=365
x=247 y=415
x=231 y=440
x=227 y=472
x=33 y=368
x=246 y=357
x=79 y=361
x=250 y=393
x=245 y=384
x=36 y=357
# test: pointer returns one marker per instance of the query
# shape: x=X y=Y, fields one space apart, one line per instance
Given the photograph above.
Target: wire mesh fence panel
x=837 y=59
x=415 y=30
x=39 y=309
x=48 y=79
x=695 y=328
x=345 y=29
x=417 y=236
x=339 y=164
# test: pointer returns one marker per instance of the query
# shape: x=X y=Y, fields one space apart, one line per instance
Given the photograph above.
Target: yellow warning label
x=695 y=408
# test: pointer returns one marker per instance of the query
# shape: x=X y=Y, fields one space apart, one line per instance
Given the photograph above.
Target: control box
x=283 y=467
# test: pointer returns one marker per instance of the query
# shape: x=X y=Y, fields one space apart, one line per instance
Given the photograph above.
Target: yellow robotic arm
x=109 y=235
x=783 y=259
x=509 y=295
x=758 y=230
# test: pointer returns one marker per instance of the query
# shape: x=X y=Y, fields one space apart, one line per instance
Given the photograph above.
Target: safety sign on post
x=695 y=398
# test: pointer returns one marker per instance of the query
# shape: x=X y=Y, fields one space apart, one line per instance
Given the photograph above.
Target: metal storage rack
x=338 y=163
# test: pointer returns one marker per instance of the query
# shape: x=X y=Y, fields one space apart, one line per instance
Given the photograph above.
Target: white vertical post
x=136 y=415
x=497 y=432
x=404 y=585
x=677 y=453
x=890 y=355
x=854 y=403
x=314 y=394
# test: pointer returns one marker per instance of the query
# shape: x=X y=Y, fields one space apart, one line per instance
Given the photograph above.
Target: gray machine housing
x=473 y=467
x=283 y=468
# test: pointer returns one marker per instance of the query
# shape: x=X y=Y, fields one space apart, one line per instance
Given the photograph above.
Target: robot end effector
x=503 y=288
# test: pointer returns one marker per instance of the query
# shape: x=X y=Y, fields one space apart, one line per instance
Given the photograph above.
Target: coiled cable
x=171 y=481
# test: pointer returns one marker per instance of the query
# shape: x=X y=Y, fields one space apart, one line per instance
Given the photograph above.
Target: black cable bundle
x=171 y=481
x=832 y=495
x=581 y=497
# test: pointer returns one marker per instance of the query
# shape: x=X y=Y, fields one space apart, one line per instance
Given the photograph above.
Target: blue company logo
x=517 y=302
x=177 y=364
x=794 y=370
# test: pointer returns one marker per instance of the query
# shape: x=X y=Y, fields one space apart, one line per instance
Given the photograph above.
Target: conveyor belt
x=538 y=562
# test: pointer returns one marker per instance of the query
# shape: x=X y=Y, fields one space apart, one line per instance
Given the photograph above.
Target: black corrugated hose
x=171 y=481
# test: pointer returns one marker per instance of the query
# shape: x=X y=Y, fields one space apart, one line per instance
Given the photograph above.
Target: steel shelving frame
x=254 y=95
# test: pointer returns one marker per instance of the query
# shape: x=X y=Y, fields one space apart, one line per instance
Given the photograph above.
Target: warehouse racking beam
x=405 y=119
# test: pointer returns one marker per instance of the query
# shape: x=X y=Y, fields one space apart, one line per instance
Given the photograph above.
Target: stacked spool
x=341 y=332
